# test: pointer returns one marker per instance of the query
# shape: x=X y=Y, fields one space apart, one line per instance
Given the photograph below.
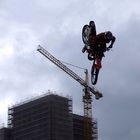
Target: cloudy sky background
x=57 y=25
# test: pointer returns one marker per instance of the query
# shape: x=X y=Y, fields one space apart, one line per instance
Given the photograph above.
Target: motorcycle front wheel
x=85 y=34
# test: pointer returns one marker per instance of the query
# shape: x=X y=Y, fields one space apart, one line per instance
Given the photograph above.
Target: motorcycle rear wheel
x=94 y=73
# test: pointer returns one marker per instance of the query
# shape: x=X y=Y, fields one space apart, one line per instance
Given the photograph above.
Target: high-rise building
x=48 y=117
x=4 y=133
x=78 y=128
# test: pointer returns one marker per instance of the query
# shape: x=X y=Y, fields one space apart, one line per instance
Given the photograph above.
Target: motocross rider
x=98 y=43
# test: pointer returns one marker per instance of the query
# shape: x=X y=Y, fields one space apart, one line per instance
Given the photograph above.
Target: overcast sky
x=57 y=25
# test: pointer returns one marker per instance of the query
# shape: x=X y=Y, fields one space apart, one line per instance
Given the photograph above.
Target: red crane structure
x=89 y=91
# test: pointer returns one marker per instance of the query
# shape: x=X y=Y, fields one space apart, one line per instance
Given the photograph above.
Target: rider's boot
x=98 y=63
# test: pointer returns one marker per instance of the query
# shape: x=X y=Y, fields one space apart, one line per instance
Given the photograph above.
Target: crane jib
x=65 y=68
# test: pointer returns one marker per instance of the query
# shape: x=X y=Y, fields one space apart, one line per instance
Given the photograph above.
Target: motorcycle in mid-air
x=92 y=54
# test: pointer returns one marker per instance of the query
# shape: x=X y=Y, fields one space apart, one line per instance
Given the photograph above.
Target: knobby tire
x=84 y=34
x=94 y=73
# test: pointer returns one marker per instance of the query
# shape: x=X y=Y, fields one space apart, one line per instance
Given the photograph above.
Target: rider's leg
x=99 y=59
x=98 y=63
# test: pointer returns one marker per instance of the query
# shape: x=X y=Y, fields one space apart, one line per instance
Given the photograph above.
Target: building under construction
x=48 y=117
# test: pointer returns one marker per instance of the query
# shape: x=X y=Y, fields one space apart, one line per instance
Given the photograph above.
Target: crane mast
x=87 y=96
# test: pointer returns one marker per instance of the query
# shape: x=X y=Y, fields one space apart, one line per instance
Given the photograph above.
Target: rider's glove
x=107 y=49
x=84 y=49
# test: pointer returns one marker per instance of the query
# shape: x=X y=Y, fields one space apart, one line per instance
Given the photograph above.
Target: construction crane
x=87 y=96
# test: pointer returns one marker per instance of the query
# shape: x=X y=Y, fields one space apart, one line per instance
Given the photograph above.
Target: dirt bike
x=92 y=54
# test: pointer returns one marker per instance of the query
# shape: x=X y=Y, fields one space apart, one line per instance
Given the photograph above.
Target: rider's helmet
x=108 y=35
x=91 y=23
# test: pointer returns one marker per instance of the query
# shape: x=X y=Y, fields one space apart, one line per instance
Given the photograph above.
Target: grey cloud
x=57 y=27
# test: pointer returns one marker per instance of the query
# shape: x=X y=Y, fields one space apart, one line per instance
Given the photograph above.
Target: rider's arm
x=112 y=42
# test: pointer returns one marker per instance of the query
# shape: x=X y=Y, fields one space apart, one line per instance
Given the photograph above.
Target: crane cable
x=73 y=65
